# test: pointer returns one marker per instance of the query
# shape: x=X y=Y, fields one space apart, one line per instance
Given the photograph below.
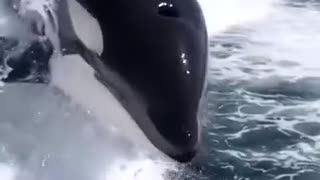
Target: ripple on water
x=264 y=98
x=309 y=128
x=269 y=139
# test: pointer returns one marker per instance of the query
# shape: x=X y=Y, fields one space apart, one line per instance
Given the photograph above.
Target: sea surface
x=264 y=90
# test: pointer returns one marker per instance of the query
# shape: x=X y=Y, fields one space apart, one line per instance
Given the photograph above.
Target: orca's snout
x=178 y=59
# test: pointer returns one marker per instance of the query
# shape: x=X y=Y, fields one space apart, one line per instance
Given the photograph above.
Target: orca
x=151 y=55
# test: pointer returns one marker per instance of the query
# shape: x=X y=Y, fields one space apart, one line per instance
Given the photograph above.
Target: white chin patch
x=75 y=78
x=86 y=27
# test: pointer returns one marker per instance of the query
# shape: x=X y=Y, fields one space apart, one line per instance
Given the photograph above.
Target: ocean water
x=264 y=94
x=264 y=108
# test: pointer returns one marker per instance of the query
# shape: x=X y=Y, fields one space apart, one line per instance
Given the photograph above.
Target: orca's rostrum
x=152 y=57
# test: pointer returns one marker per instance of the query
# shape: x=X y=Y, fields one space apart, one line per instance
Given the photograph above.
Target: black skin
x=155 y=63
x=144 y=43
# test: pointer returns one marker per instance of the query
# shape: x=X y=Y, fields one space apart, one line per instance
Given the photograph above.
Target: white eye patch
x=86 y=27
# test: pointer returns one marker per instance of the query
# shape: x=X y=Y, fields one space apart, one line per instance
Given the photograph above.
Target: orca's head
x=159 y=49
x=153 y=54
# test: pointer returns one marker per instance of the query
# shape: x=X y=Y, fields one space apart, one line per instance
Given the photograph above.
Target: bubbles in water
x=138 y=170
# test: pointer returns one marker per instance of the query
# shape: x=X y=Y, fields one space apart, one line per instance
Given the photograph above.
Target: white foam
x=40 y=6
x=220 y=15
x=7 y=172
x=282 y=37
x=140 y=169
x=11 y=25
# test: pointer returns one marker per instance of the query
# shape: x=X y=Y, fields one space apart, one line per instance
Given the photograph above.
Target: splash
x=221 y=15
x=290 y=29
x=139 y=170
x=6 y=172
